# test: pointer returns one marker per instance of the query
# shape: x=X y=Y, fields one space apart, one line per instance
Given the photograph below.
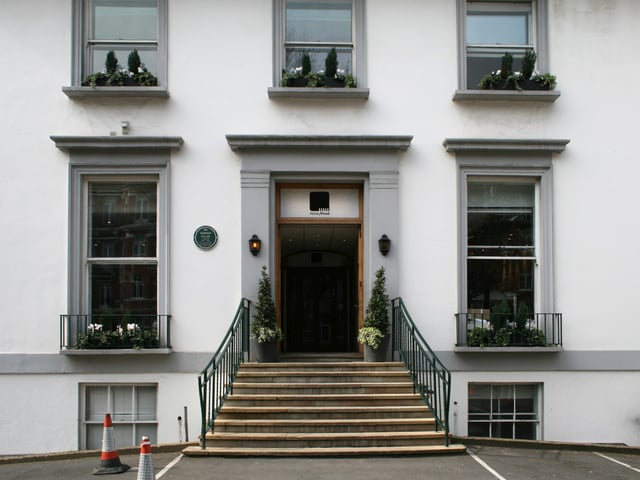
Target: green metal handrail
x=430 y=377
x=215 y=381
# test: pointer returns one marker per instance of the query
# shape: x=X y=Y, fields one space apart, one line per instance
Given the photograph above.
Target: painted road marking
x=618 y=462
x=485 y=466
x=169 y=466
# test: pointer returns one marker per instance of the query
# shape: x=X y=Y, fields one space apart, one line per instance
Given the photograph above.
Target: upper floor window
x=493 y=28
x=121 y=27
x=312 y=28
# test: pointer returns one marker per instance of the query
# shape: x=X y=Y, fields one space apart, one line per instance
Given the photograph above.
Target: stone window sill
x=553 y=349
x=115 y=351
x=278 y=93
x=548 y=96
x=116 y=92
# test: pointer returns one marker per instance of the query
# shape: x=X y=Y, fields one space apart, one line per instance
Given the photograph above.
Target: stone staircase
x=336 y=408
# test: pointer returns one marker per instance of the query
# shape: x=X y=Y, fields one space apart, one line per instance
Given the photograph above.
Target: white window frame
x=359 y=47
x=81 y=56
x=538 y=31
x=514 y=420
x=138 y=426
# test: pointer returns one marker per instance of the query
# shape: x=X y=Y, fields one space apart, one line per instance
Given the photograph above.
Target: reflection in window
x=121 y=236
x=500 y=246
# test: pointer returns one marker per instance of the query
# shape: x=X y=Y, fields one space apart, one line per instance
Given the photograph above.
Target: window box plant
x=129 y=335
x=526 y=79
x=331 y=76
x=264 y=329
x=374 y=334
x=136 y=75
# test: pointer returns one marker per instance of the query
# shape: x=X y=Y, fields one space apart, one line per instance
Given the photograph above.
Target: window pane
x=502 y=430
x=478 y=429
x=504 y=286
x=145 y=403
x=93 y=436
x=526 y=430
x=122 y=215
x=318 y=21
x=317 y=56
x=123 y=289
x=123 y=435
x=96 y=403
x=121 y=404
x=483 y=61
x=148 y=57
x=498 y=28
x=147 y=429
x=124 y=20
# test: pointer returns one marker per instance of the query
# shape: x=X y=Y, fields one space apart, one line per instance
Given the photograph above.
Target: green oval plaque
x=205 y=237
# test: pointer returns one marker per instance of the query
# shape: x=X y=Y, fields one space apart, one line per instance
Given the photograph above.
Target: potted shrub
x=332 y=76
x=526 y=79
x=374 y=334
x=264 y=330
x=136 y=75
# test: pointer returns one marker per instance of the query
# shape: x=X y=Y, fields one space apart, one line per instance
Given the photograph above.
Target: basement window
x=133 y=410
x=504 y=411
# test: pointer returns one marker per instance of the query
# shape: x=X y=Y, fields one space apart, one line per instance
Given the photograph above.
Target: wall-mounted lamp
x=255 y=244
x=384 y=244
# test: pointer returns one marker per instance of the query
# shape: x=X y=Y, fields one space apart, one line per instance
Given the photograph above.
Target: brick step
x=315 y=412
x=326 y=426
x=325 y=452
x=324 y=400
x=323 y=440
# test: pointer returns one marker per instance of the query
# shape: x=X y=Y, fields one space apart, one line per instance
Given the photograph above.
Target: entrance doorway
x=319 y=286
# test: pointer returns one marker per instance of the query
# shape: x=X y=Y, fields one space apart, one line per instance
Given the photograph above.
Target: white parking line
x=485 y=466
x=169 y=466
x=618 y=462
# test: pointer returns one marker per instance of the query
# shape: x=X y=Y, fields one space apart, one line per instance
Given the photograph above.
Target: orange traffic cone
x=145 y=466
x=109 y=460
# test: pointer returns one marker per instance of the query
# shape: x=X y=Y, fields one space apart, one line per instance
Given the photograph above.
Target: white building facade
x=126 y=210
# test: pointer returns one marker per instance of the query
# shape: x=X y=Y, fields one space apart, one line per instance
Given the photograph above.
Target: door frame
x=358 y=221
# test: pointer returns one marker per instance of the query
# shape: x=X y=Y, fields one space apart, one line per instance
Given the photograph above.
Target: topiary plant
x=506 y=65
x=331 y=63
x=528 y=63
x=376 y=317
x=134 y=62
x=306 y=64
x=264 y=327
x=111 y=63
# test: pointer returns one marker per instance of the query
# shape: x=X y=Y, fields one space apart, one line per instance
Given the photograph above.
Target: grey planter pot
x=381 y=354
x=266 y=352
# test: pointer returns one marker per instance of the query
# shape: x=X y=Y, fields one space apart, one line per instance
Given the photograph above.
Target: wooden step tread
x=323 y=373
x=326 y=451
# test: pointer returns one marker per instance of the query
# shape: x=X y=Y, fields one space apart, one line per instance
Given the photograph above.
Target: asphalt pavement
x=479 y=463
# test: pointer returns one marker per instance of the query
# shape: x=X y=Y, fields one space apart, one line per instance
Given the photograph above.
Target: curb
x=547 y=445
x=46 y=457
